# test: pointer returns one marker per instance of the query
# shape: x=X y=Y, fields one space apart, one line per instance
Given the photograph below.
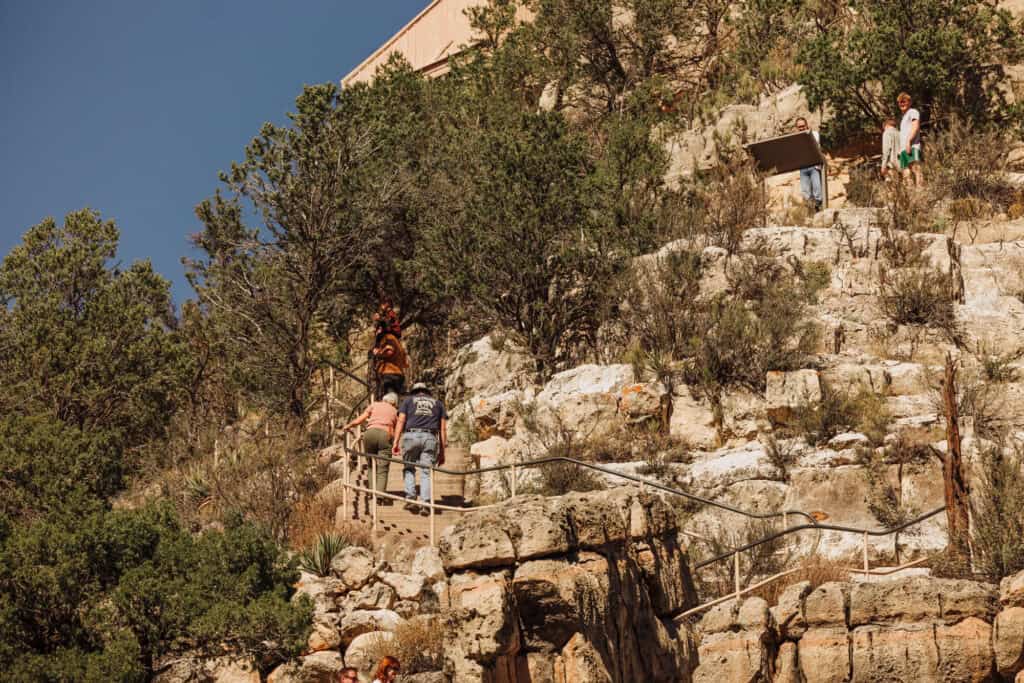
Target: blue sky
x=132 y=107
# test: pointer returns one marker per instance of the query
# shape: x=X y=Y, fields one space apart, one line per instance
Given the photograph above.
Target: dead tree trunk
x=957 y=502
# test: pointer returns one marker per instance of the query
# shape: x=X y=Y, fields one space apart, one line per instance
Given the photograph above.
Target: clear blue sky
x=132 y=107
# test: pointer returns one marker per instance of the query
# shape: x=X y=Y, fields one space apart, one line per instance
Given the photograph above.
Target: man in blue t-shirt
x=422 y=427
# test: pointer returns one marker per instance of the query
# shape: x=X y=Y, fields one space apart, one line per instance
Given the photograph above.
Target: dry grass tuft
x=418 y=646
x=817 y=570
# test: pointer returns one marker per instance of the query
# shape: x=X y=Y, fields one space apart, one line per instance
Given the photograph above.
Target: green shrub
x=999 y=367
x=782 y=455
x=731 y=197
x=95 y=590
x=661 y=296
x=884 y=500
x=559 y=478
x=742 y=341
x=838 y=412
x=919 y=296
x=997 y=513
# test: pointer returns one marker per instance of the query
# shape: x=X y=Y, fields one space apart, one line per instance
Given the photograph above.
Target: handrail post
x=866 y=568
x=373 y=487
x=736 y=573
x=514 y=480
x=433 y=538
x=344 y=477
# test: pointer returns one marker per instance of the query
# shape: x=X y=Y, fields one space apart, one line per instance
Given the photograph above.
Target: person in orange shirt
x=389 y=357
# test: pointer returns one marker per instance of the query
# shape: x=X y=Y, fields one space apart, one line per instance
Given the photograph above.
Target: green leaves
x=83 y=340
x=116 y=590
x=949 y=56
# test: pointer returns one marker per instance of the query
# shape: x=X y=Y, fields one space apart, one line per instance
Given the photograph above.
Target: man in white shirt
x=910 y=140
x=810 y=177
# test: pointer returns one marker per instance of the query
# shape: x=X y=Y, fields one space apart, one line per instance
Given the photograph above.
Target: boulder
x=736 y=643
x=547 y=593
x=643 y=400
x=584 y=400
x=536 y=527
x=488 y=366
x=906 y=653
x=324 y=636
x=823 y=655
x=1008 y=641
x=497 y=414
x=788 y=614
x=361 y=652
x=906 y=600
x=585 y=582
x=478 y=540
x=580 y=662
x=743 y=416
x=353 y=566
x=406 y=586
x=493 y=452
x=427 y=563
x=787 y=392
x=787 y=664
x=197 y=669
x=230 y=670
x=826 y=605
x=716 y=471
x=323 y=591
x=692 y=421
x=1011 y=590
x=362 y=621
x=372 y=596
x=480 y=627
x=319 y=667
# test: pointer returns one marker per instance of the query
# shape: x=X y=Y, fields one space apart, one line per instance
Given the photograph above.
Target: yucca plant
x=197 y=485
x=316 y=559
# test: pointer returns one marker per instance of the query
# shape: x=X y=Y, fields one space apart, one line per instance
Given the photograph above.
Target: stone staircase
x=392 y=517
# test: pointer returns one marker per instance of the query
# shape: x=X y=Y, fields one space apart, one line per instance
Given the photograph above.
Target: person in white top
x=911 y=159
x=810 y=177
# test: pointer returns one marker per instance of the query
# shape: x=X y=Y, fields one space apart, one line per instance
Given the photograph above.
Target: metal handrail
x=819 y=527
x=733 y=553
x=604 y=470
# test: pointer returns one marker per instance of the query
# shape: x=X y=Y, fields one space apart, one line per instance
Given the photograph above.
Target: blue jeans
x=418 y=447
x=810 y=183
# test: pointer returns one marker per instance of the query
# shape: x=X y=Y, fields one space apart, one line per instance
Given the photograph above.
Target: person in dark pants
x=421 y=437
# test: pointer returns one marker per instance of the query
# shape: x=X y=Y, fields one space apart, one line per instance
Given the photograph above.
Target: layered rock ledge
x=579 y=587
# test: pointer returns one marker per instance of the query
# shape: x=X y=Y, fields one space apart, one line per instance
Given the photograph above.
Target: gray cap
x=419 y=386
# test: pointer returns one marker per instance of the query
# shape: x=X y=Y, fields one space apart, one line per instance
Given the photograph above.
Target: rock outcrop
x=361 y=601
x=910 y=629
x=572 y=588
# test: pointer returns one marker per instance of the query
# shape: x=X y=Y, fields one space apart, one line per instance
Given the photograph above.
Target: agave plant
x=316 y=559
